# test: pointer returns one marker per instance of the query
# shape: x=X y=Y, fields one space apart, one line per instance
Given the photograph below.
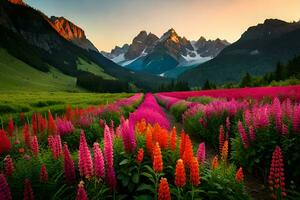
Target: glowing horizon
x=111 y=23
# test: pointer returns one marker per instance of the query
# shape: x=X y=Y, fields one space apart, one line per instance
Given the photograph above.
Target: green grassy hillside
x=17 y=75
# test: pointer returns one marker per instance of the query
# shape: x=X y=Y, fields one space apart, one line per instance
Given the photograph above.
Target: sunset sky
x=108 y=23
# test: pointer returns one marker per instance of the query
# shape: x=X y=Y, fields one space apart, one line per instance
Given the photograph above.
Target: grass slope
x=16 y=75
x=93 y=68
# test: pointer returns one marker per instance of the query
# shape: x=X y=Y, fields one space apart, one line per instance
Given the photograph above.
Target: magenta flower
x=128 y=136
x=64 y=126
x=81 y=193
x=54 y=142
x=108 y=154
x=35 y=145
x=4 y=191
x=43 y=174
x=201 y=153
x=28 y=193
x=85 y=162
x=252 y=133
x=243 y=135
x=69 y=168
x=296 y=119
x=98 y=161
x=8 y=166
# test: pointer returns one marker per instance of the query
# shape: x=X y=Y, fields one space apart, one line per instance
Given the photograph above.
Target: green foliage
x=201 y=99
x=178 y=109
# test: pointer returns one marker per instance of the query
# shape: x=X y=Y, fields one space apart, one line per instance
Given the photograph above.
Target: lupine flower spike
x=239 y=176
x=28 y=193
x=164 y=190
x=276 y=176
x=157 y=159
x=180 y=178
x=98 y=161
x=140 y=156
x=68 y=166
x=8 y=166
x=81 y=193
x=201 y=153
x=194 y=173
x=43 y=174
x=4 y=191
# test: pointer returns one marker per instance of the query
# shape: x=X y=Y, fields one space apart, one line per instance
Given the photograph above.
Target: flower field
x=129 y=149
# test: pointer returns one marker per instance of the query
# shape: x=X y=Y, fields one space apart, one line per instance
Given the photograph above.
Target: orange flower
x=173 y=139
x=164 y=139
x=156 y=132
x=157 y=159
x=180 y=179
x=149 y=144
x=188 y=154
x=224 y=154
x=215 y=162
x=182 y=143
x=194 y=173
x=164 y=190
x=140 y=156
x=141 y=126
x=239 y=176
x=21 y=150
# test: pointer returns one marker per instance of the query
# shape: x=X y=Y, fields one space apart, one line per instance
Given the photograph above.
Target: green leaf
x=135 y=178
x=149 y=176
x=144 y=187
x=124 y=162
x=143 y=197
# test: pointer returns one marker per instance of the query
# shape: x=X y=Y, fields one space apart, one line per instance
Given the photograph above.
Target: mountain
x=256 y=52
x=29 y=36
x=71 y=32
x=169 y=55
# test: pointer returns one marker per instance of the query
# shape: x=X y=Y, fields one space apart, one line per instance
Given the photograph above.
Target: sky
x=108 y=23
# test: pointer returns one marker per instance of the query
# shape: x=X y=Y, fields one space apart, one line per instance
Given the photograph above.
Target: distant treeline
x=284 y=74
x=174 y=86
x=95 y=83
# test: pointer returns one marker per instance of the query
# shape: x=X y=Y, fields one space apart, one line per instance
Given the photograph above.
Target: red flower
x=173 y=139
x=8 y=166
x=188 y=154
x=194 y=173
x=4 y=142
x=157 y=159
x=26 y=135
x=28 y=193
x=215 y=162
x=164 y=190
x=43 y=174
x=182 y=143
x=276 y=176
x=149 y=144
x=221 y=138
x=81 y=193
x=180 y=178
x=4 y=188
x=35 y=146
x=51 y=125
x=10 y=127
x=34 y=124
x=239 y=176
x=68 y=166
x=140 y=156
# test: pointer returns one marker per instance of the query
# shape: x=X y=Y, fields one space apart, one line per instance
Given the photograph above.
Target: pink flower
x=4 y=188
x=85 y=162
x=64 y=126
x=296 y=119
x=221 y=138
x=8 y=166
x=35 y=145
x=243 y=135
x=54 y=142
x=68 y=166
x=128 y=136
x=248 y=117
x=98 y=161
x=81 y=193
x=201 y=153
x=252 y=133
x=28 y=193
x=43 y=174
x=108 y=154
